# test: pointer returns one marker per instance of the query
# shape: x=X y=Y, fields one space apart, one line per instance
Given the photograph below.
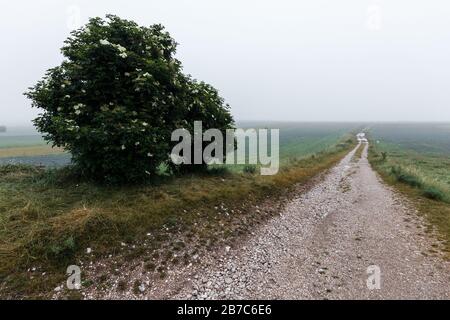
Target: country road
x=325 y=244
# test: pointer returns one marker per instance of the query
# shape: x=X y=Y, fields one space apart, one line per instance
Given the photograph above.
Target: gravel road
x=347 y=237
x=327 y=244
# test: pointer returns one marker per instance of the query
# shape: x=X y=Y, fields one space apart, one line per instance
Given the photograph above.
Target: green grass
x=417 y=163
x=423 y=171
x=26 y=145
x=49 y=217
x=29 y=151
x=21 y=141
x=358 y=154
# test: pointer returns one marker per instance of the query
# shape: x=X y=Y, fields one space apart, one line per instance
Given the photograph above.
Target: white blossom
x=137 y=143
x=123 y=55
x=104 y=42
x=123 y=147
x=120 y=48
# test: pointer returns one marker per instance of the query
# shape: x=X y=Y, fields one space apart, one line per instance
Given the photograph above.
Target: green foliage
x=63 y=250
x=405 y=177
x=250 y=169
x=384 y=156
x=117 y=97
x=434 y=193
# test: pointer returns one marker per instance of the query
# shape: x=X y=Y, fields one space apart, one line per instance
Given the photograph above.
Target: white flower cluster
x=78 y=108
x=71 y=126
x=122 y=50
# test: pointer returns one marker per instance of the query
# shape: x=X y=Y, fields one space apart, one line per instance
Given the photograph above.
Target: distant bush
x=117 y=97
x=405 y=177
x=434 y=194
x=384 y=156
x=218 y=171
x=250 y=169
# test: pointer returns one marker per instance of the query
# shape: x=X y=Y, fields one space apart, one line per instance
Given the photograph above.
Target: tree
x=116 y=98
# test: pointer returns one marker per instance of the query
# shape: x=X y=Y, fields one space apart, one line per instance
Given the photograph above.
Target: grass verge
x=430 y=197
x=358 y=154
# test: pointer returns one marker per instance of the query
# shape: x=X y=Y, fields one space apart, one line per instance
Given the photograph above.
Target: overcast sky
x=326 y=60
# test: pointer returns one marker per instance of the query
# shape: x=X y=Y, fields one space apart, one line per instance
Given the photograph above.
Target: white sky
x=315 y=60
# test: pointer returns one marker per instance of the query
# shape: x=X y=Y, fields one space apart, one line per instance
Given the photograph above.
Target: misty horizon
x=354 y=61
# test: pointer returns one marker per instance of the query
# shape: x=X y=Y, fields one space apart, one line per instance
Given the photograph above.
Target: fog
x=316 y=60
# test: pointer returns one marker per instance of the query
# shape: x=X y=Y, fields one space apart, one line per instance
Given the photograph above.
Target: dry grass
x=29 y=151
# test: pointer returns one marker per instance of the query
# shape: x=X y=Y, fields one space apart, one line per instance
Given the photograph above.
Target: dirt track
x=323 y=243
x=320 y=247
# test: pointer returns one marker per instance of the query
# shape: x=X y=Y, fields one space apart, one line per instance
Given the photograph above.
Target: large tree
x=116 y=98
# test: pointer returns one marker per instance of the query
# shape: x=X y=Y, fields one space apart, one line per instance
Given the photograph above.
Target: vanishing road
x=348 y=230
x=348 y=237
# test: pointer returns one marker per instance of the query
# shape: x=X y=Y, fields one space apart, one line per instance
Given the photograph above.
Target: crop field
x=421 y=149
x=297 y=140
x=416 y=158
x=31 y=150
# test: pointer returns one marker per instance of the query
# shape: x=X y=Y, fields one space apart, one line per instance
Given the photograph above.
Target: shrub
x=434 y=194
x=117 y=97
x=250 y=169
x=63 y=250
x=406 y=178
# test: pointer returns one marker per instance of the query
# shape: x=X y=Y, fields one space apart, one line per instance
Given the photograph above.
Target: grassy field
x=25 y=143
x=416 y=159
x=48 y=218
x=28 y=151
x=20 y=141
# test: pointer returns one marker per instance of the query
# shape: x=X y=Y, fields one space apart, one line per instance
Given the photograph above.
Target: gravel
x=319 y=247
